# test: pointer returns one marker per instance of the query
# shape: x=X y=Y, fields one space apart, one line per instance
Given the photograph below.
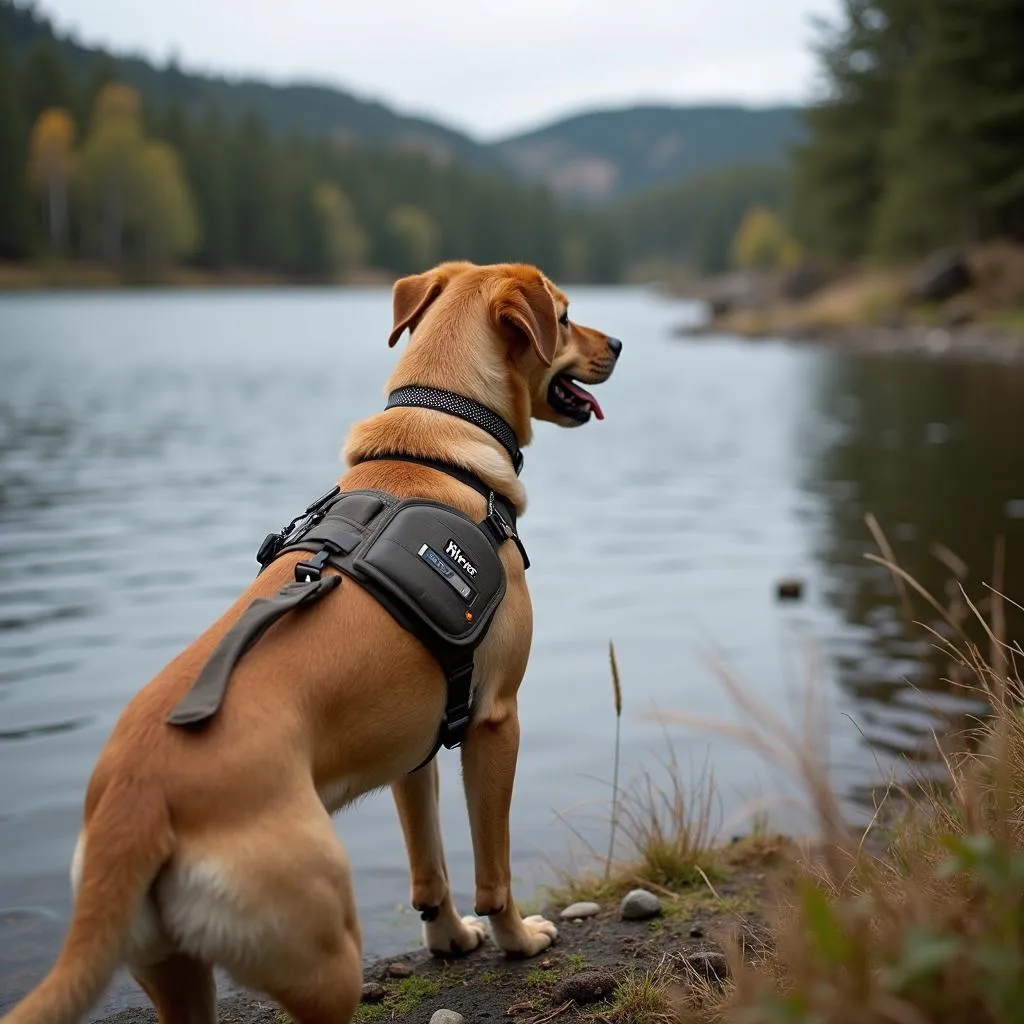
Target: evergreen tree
x=208 y=169
x=15 y=219
x=46 y=82
x=839 y=171
x=955 y=167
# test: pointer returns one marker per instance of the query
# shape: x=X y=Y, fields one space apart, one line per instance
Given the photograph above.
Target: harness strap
x=455 y=720
x=206 y=695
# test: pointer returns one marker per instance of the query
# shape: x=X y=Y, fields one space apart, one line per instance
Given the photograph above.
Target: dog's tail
x=128 y=838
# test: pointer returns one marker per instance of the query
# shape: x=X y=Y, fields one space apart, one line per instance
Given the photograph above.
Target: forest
x=915 y=140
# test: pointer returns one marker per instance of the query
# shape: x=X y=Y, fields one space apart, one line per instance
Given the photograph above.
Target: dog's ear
x=411 y=296
x=528 y=307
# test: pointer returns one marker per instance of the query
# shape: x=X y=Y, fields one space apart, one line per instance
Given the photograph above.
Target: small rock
x=639 y=905
x=447 y=1017
x=373 y=992
x=696 y=933
x=942 y=276
x=399 y=970
x=709 y=965
x=549 y=962
x=584 y=987
x=578 y=910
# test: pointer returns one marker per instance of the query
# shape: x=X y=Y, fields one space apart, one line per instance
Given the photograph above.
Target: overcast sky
x=489 y=67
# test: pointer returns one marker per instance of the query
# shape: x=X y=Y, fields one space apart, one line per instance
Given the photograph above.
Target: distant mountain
x=309 y=109
x=611 y=153
x=591 y=157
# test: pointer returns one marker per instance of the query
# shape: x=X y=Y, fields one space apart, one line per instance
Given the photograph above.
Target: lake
x=141 y=431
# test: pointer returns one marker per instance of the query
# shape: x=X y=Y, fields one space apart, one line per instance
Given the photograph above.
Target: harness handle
x=206 y=695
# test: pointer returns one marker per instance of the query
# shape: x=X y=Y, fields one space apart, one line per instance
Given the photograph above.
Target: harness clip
x=311 y=571
x=272 y=543
x=502 y=529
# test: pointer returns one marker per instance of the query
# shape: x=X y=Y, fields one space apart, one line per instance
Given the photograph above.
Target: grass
x=918 y=920
x=667 y=825
x=398 y=999
x=645 y=997
x=541 y=976
x=576 y=961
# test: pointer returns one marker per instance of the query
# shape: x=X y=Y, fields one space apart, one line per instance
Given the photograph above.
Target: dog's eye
x=564 y=319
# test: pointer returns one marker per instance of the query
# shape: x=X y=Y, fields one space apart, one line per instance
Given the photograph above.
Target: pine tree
x=840 y=170
x=15 y=219
x=46 y=82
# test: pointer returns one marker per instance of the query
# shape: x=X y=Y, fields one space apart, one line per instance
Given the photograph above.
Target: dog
x=217 y=849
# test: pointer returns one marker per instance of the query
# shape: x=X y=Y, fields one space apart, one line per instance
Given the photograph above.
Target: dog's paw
x=454 y=937
x=533 y=936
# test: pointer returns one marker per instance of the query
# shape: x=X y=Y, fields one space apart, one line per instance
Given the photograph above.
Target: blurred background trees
x=915 y=141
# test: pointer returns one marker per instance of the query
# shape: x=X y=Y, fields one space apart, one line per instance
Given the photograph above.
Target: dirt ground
x=487 y=986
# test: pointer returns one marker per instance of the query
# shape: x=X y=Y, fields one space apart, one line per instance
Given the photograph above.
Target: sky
x=487 y=67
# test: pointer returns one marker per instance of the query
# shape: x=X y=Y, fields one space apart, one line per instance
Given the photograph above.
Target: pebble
x=399 y=970
x=639 y=905
x=447 y=1017
x=709 y=964
x=373 y=992
x=578 y=910
x=583 y=987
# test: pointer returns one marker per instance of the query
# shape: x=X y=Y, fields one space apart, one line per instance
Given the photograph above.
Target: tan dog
x=216 y=848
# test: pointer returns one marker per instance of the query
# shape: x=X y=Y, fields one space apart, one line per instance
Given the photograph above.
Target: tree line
x=89 y=170
x=918 y=139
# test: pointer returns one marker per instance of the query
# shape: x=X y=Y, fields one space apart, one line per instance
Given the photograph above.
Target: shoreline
x=989 y=342
x=593 y=961
x=19 y=278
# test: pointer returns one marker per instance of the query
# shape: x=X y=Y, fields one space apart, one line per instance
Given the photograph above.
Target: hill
x=303 y=108
x=607 y=154
x=590 y=157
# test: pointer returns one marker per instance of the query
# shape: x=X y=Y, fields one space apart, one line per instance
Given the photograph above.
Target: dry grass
x=862 y=298
x=666 y=825
x=924 y=926
x=652 y=996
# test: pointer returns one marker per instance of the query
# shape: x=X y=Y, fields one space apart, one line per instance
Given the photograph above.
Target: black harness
x=435 y=570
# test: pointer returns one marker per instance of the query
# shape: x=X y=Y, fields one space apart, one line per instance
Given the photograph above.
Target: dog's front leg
x=444 y=932
x=489 y=767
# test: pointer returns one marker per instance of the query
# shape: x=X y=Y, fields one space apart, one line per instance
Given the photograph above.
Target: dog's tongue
x=585 y=396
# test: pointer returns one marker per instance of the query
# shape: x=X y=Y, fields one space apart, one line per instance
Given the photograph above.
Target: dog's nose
x=616 y=346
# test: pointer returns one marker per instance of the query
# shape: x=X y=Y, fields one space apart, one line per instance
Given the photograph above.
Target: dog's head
x=502 y=335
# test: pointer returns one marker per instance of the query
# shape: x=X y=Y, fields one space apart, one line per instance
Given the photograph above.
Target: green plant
x=411 y=992
x=540 y=976
x=576 y=961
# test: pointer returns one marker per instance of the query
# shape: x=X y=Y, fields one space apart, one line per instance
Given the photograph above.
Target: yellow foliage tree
x=346 y=241
x=50 y=167
x=163 y=208
x=130 y=186
x=416 y=235
x=107 y=169
x=762 y=243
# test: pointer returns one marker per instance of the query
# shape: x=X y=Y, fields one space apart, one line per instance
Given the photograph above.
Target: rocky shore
x=970 y=341
x=959 y=304
x=605 y=947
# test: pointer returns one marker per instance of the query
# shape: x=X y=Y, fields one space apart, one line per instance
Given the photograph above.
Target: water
x=148 y=441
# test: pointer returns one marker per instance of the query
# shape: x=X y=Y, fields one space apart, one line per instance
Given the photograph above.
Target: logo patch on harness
x=454 y=552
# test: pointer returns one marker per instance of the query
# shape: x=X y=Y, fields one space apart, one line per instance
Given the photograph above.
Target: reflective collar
x=465 y=408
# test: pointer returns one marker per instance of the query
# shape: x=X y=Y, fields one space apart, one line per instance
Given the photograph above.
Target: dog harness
x=434 y=569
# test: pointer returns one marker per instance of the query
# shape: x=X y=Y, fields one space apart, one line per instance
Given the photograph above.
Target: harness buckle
x=311 y=571
x=272 y=543
x=503 y=530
